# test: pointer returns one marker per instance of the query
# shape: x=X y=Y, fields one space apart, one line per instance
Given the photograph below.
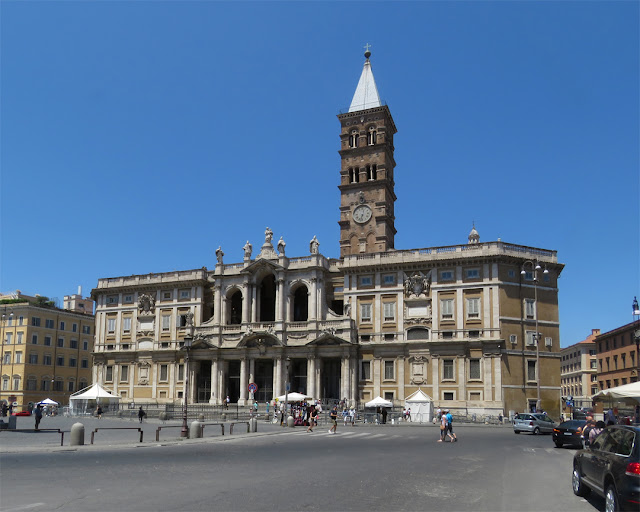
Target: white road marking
x=24 y=507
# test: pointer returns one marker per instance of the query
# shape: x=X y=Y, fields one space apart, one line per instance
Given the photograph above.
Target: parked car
x=611 y=468
x=569 y=432
x=25 y=412
x=534 y=422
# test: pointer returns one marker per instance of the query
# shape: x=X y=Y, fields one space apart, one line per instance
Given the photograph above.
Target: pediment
x=260 y=265
x=259 y=340
x=329 y=339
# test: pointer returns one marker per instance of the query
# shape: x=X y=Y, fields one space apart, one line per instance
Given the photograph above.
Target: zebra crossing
x=352 y=434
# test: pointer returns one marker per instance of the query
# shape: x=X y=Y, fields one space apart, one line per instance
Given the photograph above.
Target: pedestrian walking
x=313 y=419
x=99 y=412
x=596 y=430
x=4 y=409
x=141 y=414
x=438 y=415
x=345 y=416
x=450 y=433
x=443 y=427
x=226 y=402
x=38 y=415
x=409 y=414
x=334 y=418
x=352 y=416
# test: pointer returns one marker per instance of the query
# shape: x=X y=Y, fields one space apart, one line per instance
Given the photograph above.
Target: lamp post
x=636 y=335
x=286 y=389
x=188 y=341
x=535 y=266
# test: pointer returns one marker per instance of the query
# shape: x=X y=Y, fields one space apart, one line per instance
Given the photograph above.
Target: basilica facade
x=474 y=326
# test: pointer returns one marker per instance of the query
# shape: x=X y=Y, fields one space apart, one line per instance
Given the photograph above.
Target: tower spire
x=366 y=95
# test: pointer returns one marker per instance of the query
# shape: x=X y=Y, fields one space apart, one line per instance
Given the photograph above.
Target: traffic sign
x=253 y=387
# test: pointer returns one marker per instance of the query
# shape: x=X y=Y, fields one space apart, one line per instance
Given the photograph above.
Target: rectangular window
x=182 y=320
x=35 y=321
x=86 y=329
x=16 y=383
x=46 y=360
x=389 y=311
x=61 y=342
x=513 y=338
x=472 y=273
x=73 y=344
x=85 y=345
x=180 y=372
x=21 y=320
x=73 y=362
x=47 y=341
x=58 y=385
x=9 y=337
x=48 y=323
x=7 y=358
x=109 y=374
x=166 y=322
x=447 y=395
x=111 y=325
x=60 y=360
x=528 y=275
x=112 y=300
x=124 y=373
x=366 y=281
x=19 y=338
x=10 y=321
x=126 y=324
x=33 y=358
x=447 y=369
x=32 y=384
x=46 y=385
x=18 y=357
x=474 y=369
x=530 y=308
x=5 y=384
x=473 y=307
x=446 y=308
x=71 y=387
x=185 y=294
x=365 y=370
x=548 y=342
x=389 y=279
x=85 y=363
x=530 y=338
x=74 y=328
x=164 y=372
x=62 y=325
x=389 y=370
x=166 y=295
x=127 y=299
x=365 y=312
x=446 y=275
x=34 y=339
x=531 y=371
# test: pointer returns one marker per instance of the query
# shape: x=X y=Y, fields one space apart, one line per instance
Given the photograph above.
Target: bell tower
x=366 y=173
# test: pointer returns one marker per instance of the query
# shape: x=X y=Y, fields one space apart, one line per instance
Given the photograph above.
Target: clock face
x=362 y=214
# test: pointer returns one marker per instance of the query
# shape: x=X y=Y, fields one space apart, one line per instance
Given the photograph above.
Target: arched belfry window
x=301 y=304
x=372 y=136
x=353 y=175
x=372 y=172
x=353 y=139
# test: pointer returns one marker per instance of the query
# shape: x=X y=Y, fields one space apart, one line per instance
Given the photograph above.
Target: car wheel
x=536 y=431
x=516 y=431
x=558 y=444
x=579 y=489
x=611 y=499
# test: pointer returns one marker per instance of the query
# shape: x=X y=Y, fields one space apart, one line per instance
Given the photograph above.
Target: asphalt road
x=361 y=468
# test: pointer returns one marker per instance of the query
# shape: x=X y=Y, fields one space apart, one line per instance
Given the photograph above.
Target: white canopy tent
x=625 y=393
x=47 y=401
x=293 y=397
x=86 y=400
x=379 y=402
x=421 y=406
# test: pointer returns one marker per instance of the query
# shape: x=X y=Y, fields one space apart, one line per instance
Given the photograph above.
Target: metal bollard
x=77 y=434
x=195 y=430
x=253 y=425
x=290 y=421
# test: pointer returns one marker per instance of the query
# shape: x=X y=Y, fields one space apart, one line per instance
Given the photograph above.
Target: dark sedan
x=611 y=468
x=569 y=432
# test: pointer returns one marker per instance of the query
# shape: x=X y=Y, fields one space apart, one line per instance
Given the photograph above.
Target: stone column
x=344 y=376
x=277 y=387
x=243 y=381
x=314 y=299
x=252 y=374
x=462 y=379
x=435 y=378
x=217 y=303
x=215 y=392
x=311 y=373
x=246 y=301
x=354 y=380
x=377 y=377
x=254 y=303
x=497 y=370
x=280 y=298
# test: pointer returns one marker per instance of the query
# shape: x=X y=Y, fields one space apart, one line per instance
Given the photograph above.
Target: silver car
x=536 y=423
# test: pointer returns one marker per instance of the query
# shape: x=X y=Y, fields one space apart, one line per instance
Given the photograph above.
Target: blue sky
x=138 y=136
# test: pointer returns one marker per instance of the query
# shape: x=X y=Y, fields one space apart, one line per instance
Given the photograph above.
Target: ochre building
x=475 y=326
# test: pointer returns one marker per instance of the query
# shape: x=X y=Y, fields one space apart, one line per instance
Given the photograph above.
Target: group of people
x=446 y=426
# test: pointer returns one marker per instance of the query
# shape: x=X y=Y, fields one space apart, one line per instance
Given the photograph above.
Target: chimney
x=80 y=291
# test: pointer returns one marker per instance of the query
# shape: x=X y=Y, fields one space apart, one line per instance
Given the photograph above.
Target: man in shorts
x=450 y=433
x=334 y=418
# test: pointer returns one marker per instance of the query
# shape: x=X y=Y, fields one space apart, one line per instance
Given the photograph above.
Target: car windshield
x=573 y=424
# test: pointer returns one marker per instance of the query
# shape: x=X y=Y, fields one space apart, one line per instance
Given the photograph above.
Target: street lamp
x=636 y=335
x=535 y=266
x=188 y=341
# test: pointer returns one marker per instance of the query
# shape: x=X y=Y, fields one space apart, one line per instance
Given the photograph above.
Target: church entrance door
x=330 y=379
x=264 y=380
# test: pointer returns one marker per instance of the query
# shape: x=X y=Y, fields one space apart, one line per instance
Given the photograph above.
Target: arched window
x=353 y=139
x=301 y=304
x=372 y=136
x=268 y=299
x=353 y=175
x=235 y=308
x=372 y=172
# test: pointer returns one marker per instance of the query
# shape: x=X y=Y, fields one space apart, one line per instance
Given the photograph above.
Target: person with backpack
x=334 y=418
x=450 y=433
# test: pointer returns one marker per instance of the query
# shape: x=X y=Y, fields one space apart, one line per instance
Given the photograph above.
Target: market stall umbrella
x=293 y=397
x=48 y=401
x=379 y=402
x=626 y=392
